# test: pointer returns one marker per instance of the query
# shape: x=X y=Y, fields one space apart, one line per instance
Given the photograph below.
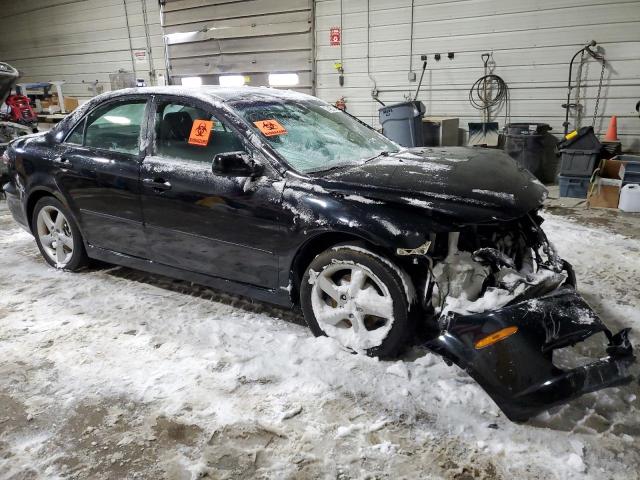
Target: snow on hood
x=472 y=184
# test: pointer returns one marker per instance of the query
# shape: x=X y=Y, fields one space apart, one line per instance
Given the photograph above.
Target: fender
x=54 y=192
x=314 y=210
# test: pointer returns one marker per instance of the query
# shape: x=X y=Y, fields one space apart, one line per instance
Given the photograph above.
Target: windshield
x=313 y=136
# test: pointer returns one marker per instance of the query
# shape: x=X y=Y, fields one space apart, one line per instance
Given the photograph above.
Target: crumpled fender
x=518 y=372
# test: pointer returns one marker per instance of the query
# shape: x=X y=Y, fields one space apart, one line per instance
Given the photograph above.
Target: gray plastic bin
x=578 y=162
x=631 y=169
x=574 y=187
x=402 y=123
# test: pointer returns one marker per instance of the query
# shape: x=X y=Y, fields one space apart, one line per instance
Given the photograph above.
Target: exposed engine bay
x=502 y=301
x=484 y=268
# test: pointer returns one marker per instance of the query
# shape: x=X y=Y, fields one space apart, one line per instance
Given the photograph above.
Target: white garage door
x=250 y=38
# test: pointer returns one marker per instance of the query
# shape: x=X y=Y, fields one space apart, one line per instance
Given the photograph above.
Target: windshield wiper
x=335 y=167
x=383 y=153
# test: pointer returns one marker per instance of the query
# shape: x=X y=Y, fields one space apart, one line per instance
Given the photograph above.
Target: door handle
x=157 y=184
x=62 y=162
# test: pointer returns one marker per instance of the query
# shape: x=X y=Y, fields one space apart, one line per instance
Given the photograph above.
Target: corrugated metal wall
x=79 y=41
x=532 y=42
x=208 y=38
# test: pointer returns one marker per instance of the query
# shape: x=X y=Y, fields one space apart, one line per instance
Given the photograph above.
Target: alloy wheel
x=54 y=233
x=352 y=305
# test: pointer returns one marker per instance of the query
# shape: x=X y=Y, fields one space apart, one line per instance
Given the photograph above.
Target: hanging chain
x=595 y=110
x=578 y=87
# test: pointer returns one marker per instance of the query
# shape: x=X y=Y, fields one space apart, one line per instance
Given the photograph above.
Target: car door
x=97 y=168
x=196 y=220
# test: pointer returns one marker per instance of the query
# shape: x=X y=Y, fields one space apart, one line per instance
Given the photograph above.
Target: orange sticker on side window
x=200 y=132
x=269 y=128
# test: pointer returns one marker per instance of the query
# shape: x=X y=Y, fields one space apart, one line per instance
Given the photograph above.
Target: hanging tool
x=424 y=67
x=340 y=70
x=576 y=105
x=487 y=92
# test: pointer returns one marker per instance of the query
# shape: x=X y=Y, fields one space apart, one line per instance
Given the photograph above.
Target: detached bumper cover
x=518 y=372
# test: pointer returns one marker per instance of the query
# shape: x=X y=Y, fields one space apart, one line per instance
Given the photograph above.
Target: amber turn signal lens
x=495 y=337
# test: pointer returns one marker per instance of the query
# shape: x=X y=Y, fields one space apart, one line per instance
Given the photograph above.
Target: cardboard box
x=605 y=191
x=70 y=104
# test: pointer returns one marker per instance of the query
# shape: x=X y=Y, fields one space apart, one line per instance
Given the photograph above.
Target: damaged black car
x=281 y=197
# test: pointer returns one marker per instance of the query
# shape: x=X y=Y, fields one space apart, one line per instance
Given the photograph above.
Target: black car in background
x=281 y=197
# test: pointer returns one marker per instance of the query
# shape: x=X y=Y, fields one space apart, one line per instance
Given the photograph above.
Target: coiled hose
x=490 y=91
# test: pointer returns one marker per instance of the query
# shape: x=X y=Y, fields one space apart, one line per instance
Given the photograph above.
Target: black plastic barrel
x=534 y=148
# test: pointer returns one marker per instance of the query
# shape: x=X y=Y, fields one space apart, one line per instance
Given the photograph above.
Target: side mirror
x=235 y=164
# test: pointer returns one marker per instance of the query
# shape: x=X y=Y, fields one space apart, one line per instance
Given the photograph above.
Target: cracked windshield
x=313 y=136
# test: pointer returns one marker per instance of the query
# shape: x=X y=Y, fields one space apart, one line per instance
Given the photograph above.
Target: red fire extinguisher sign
x=334 y=36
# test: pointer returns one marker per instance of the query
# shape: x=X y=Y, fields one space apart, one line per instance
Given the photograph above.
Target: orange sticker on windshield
x=200 y=132
x=270 y=127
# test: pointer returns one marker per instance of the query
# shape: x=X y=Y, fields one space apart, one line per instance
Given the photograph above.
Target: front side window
x=311 y=135
x=76 y=137
x=114 y=127
x=188 y=133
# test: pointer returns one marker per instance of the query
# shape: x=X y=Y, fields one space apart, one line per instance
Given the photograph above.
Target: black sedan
x=284 y=198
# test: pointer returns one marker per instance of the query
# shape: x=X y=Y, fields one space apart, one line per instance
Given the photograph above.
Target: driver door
x=226 y=227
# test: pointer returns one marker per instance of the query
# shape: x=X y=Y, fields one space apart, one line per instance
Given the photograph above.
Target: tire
x=337 y=302
x=49 y=230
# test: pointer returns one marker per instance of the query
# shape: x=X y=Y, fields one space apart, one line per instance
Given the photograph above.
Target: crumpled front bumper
x=518 y=372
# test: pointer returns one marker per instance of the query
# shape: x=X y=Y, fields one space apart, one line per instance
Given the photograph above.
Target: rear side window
x=114 y=127
x=189 y=133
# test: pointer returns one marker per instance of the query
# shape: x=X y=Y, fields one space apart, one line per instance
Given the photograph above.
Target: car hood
x=465 y=184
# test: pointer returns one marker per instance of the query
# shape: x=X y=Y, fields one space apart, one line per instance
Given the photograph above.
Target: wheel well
x=31 y=204
x=310 y=250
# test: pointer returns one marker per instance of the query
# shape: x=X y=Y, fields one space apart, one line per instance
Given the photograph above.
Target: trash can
x=533 y=147
x=402 y=123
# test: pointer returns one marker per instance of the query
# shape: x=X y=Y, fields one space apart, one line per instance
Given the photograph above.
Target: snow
x=358 y=198
x=389 y=226
x=510 y=197
x=417 y=203
x=402 y=159
x=253 y=386
x=495 y=298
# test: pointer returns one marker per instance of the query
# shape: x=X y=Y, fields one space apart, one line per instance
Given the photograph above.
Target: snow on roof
x=217 y=92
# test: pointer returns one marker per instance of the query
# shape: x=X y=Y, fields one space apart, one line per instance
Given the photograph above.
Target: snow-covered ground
x=112 y=373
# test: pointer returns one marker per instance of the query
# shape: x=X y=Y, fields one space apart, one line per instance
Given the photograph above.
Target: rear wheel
x=357 y=298
x=57 y=235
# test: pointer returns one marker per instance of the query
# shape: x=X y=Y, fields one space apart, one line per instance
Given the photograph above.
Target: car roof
x=215 y=93
x=222 y=94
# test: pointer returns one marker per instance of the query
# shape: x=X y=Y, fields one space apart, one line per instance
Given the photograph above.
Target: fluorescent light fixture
x=283 y=79
x=117 y=119
x=231 y=80
x=191 y=81
x=181 y=37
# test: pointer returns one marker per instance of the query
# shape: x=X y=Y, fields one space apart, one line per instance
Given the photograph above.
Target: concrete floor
x=113 y=373
x=613 y=220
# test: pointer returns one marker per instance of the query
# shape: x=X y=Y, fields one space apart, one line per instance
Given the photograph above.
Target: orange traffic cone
x=612 y=131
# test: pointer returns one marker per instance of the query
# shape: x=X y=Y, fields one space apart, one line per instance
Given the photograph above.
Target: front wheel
x=57 y=235
x=358 y=298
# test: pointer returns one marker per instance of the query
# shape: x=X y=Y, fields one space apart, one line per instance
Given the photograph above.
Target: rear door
x=97 y=168
x=226 y=227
